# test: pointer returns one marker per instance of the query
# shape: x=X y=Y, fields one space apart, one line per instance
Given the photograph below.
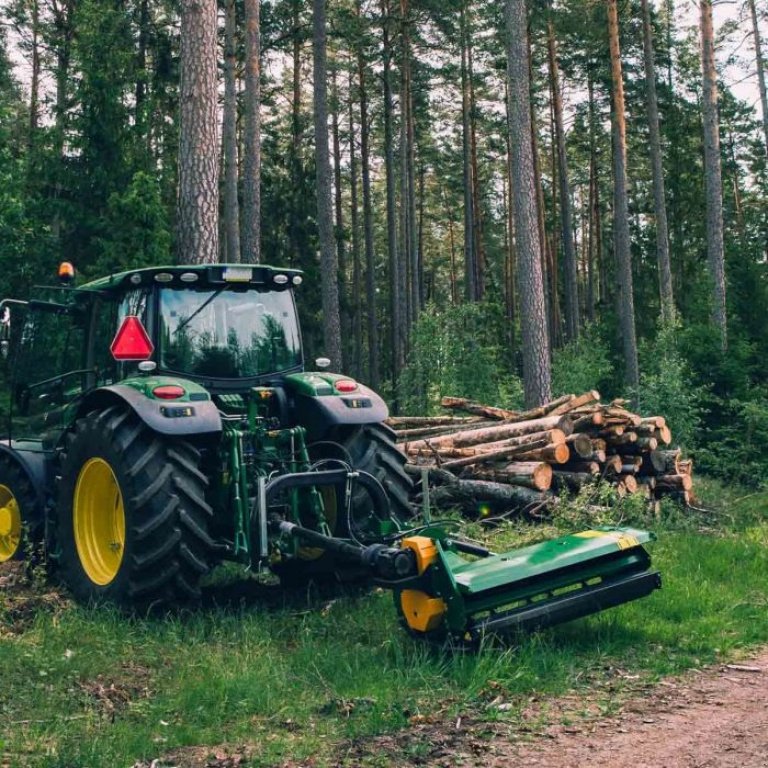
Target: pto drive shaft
x=387 y=563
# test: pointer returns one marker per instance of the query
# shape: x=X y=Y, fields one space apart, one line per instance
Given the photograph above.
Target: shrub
x=582 y=364
x=457 y=352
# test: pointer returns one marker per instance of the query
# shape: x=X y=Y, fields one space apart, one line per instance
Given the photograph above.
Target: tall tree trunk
x=621 y=242
x=395 y=295
x=357 y=268
x=597 y=283
x=713 y=173
x=338 y=207
x=329 y=264
x=510 y=254
x=566 y=214
x=141 y=61
x=405 y=209
x=477 y=210
x=34 y=84
x=198 y=162
x=345 y=305
x=229 y=127
x=760 y=70
x=659 y=197
x=535 y=338
x=252 y=161
x=470 y=256
x=370 y=264
x=296 y=214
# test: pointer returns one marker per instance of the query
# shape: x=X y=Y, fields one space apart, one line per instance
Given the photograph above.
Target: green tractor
x=196 y=437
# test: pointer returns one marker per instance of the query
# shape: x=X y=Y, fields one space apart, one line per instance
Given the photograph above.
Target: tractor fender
x=33 y=463
x=163 y=417
x=320 y=414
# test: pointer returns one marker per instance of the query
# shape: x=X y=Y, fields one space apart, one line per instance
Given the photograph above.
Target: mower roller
x=160 y=421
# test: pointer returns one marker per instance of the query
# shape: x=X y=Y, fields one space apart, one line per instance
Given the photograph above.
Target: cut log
x=546 y=409
x=685 y=467
x=582 y=423
x=471 y=493
x=469 y=437
x=625 y=438
x=587 y=467
x=551 y=436
x=414 y=422
x=422 y=432
x=571 y=480
x=669 y=462
x=611 y=432
x=674 y=483
x=663 y=435
x=622 y=416
x=483 y=457
x=487 y=411
x=613 y=464
x=555 y=454
x=598 y=456
x=628 y=469
x=657 y=421
x=536 y=475
x=580 y=444
x=654 y=463
x=576 y=402
x=599 y=444
x=629 y=482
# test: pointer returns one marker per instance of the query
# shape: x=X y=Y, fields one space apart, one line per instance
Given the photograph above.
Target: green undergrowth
x=294 y=677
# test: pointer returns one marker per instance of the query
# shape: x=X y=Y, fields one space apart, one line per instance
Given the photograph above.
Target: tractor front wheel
x=21 y=526
x=131 y=523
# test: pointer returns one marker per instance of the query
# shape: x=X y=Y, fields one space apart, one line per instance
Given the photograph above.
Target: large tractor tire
x=131 y=520
x=371 y=449
x=21 y=519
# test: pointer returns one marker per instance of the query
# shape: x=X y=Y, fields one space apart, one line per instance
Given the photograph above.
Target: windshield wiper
x=182 y=325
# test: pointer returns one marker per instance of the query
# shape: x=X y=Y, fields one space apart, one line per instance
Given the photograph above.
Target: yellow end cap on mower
x=422 y=612
x=425 y=550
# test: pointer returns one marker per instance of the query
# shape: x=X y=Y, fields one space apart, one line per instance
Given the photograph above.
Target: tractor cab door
x=47 y=368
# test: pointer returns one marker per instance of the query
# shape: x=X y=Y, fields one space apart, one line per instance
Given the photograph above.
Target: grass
x=296 y=676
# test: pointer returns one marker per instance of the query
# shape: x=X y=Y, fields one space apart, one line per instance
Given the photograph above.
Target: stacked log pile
x=513 y=458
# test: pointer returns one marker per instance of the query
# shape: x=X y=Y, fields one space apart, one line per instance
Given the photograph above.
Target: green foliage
x=457 y=352
x=139 y=233
x=583 y=364
x=667 y=388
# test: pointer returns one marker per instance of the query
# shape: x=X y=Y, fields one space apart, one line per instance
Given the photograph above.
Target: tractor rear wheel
x=131 y=522
x=21 y=523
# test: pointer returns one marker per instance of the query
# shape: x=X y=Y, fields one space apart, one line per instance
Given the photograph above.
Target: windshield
x=228 y=333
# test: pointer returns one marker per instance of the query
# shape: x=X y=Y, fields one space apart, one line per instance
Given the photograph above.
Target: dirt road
x=712 y=718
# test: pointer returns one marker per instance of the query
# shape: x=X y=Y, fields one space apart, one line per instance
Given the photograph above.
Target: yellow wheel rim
x=99 y=521
x=10 y=524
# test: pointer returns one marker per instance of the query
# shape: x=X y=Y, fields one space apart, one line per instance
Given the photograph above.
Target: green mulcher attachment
x=448 y=588
x=528 y=588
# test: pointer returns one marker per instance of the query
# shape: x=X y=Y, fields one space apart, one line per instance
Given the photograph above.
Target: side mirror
x=5 y=331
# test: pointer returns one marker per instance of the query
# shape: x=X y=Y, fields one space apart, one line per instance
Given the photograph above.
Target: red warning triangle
x=132 y=341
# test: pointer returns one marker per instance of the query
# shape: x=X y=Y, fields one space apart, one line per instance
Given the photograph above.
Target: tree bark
x=370 y=265
x=357 y=267
x=713 y=173
x=229 y=127
x=566 y=214
x=533 y=320
x=395 y=297
x=329 y=264
x=251 y=252
x=659 y=197
x=621 y=241
x=471 y=290
x=198 y=201
x=760 y=70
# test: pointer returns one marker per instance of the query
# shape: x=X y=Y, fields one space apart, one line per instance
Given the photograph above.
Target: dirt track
x=713 y=718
